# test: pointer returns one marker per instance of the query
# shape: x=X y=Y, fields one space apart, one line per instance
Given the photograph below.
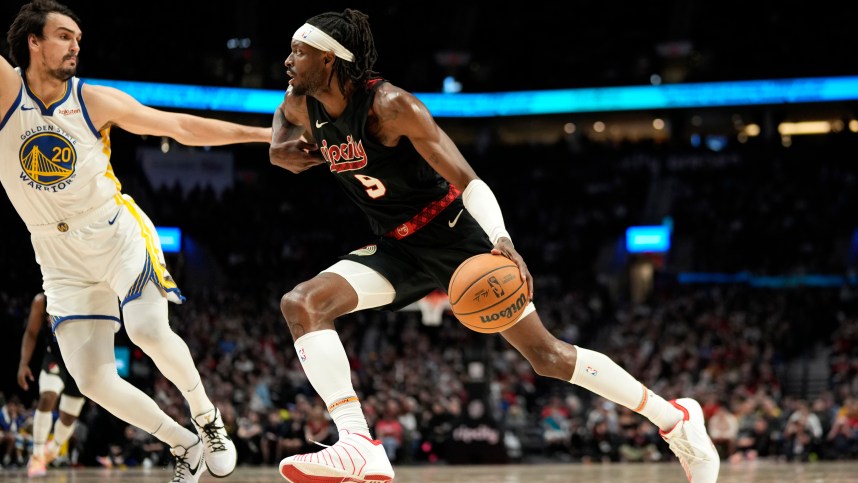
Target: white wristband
x=483 y=206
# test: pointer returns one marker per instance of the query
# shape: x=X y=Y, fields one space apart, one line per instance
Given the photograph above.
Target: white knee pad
x=373 y=290
x=50 y=383
x=71 y=405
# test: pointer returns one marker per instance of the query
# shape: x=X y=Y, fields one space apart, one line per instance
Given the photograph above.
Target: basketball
x=487 y=293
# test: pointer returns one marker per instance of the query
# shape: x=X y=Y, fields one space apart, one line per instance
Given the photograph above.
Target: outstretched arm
x=108 y=106
x=401 y=114
x=34 y=325
x=292 y=147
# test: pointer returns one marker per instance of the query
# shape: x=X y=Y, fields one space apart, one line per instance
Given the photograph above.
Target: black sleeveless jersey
x=390 y=184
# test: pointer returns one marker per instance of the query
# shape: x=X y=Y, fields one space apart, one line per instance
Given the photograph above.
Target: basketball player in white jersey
x=94 y=244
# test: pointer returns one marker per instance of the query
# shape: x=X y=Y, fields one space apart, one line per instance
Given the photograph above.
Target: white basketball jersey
x=54 y=164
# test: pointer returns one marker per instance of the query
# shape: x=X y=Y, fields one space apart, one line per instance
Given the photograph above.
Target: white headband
x=313 y=36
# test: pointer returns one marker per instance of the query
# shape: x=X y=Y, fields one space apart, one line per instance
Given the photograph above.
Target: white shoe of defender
x=690 y=442
x=354 y=459
x=220 y=453
x=190 y=463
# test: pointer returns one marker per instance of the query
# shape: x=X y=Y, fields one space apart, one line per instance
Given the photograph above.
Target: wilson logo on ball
x=508 y=312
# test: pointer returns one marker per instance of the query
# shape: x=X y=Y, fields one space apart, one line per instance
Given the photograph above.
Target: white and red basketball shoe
x=690 y=442
x=36 y=467
x=353 y=459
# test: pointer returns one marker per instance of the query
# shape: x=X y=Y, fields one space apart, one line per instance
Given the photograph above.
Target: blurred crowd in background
x=775 y=367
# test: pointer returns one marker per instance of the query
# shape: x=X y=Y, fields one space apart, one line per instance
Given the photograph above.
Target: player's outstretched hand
x=504 y=247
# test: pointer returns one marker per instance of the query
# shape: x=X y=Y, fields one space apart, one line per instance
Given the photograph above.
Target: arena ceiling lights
x=525 y=103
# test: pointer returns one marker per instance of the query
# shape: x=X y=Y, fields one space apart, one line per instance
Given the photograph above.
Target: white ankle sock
x=198 y=401
x=62 y=433
x=601 y=375
x=327 y=367
x=175 y=434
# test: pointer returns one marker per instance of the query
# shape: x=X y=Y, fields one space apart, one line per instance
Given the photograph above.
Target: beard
x=308 y=85
x=299 y=90
x=64 y=73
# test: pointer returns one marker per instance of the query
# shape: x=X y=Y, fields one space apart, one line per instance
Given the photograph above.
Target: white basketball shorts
x=97 y=261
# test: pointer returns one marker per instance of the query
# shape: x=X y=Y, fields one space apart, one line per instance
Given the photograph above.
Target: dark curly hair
x=31 y=19
x=351 y=29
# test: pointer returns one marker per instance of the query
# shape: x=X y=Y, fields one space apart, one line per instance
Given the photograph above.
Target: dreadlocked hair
x=351 y=29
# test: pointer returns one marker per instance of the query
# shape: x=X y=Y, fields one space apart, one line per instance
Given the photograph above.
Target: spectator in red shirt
x=389 y=430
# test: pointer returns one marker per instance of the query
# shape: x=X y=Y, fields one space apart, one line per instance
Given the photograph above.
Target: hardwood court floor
x=756 y=472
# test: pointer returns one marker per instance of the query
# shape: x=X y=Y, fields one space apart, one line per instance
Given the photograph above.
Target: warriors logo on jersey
x=48 y=159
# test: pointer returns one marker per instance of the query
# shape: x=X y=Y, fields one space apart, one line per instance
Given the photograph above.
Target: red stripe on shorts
x=426 y=215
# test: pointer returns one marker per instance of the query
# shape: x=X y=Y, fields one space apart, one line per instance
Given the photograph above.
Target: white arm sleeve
x=483 y=206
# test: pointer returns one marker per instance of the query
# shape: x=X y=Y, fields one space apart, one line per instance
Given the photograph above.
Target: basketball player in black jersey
x=54 y=381
x=430 y=212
